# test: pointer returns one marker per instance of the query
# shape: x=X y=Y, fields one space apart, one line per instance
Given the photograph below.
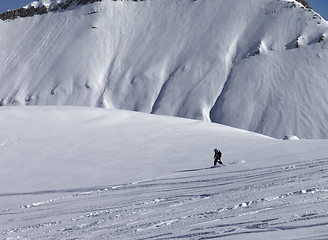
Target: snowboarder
x=217 y=157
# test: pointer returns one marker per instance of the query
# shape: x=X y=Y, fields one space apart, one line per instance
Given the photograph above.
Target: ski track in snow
x=200 y=204
x=8 y=142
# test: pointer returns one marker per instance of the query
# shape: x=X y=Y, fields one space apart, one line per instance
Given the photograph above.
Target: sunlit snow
x=75 y=165
x=81 y=173
x=258 y=65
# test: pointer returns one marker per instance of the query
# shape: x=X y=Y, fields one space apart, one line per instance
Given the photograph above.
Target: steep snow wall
x=258 y=65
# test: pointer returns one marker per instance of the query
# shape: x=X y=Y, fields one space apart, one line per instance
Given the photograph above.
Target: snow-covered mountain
x=258 y=65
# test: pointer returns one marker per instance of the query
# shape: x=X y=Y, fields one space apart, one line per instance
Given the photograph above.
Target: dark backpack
x=218 y=154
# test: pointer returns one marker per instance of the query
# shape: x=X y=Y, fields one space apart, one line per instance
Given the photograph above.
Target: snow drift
x=258 y=65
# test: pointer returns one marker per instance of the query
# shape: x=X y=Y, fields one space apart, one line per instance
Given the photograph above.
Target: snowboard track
x=208 y=204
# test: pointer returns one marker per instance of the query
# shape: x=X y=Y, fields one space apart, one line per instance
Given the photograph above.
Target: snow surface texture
x=82 y=173
x=258 y=65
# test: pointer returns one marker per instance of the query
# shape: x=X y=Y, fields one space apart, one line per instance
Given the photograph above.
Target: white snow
x=83 y=173
x=47 y=3
x=192 y=59
x=291 y=137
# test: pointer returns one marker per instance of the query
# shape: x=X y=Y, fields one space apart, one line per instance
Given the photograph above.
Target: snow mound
x=291 y=137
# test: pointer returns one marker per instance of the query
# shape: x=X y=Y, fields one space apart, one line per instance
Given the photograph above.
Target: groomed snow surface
x=84 y=173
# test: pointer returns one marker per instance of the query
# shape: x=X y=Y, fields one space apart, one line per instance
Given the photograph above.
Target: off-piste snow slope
x=259 y=65
x=90 y=173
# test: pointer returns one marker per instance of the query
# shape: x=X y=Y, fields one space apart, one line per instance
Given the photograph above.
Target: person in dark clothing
x=217 y=157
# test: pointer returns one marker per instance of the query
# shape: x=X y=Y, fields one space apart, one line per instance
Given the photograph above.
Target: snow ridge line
x=30 y=11
x=161 y=93
x=304 y=3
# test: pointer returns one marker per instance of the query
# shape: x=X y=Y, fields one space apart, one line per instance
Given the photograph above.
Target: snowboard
x=216 y=166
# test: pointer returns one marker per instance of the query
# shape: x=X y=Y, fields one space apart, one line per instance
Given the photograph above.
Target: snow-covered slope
x=82 y=173
x=256 y=65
